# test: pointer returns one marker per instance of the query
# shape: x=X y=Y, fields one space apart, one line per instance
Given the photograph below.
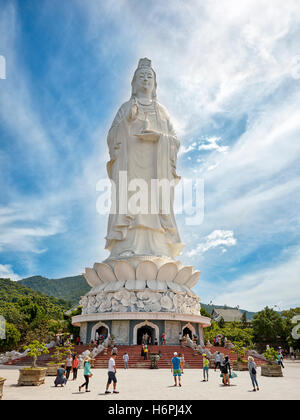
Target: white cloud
x=275 y=285
x=6 y=272
x=211 y=144
x=213 y=240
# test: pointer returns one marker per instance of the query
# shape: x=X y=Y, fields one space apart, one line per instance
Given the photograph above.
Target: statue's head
x=144 y=78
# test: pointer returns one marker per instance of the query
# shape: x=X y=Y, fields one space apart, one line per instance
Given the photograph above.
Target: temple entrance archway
x=188 y=330
x=145 y=335
x=101 y=328
x=145 y=327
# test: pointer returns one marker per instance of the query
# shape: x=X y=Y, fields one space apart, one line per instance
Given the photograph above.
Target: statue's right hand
x=133 y=110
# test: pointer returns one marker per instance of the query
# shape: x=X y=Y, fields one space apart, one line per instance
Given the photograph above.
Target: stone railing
x=13 y=355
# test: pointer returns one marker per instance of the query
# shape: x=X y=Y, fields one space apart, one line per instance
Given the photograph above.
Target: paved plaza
x=146 y=384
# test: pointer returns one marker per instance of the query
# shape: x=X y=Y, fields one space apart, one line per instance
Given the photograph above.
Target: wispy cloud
x=7 y=272
x=215 y=239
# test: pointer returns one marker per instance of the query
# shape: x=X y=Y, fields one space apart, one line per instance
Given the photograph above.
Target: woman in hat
x=87 y=374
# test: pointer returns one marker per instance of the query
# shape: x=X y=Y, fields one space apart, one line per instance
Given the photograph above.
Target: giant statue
x=142 y=143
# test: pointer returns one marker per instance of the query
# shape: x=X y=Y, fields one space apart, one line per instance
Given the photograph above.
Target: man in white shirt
x=125 y=359
x=112 y=370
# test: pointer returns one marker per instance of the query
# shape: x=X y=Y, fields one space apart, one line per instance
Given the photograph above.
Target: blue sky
x=229 y=75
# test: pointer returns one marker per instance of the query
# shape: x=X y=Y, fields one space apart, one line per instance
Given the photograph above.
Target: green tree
x=244 y=320
x=12 y=338
x=288 y=326
x=36 y=349
x=204 y=312
x=267 y=326
x=221 y=323
x=240 y=350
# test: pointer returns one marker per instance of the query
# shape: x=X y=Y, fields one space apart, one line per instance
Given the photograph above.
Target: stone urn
x=154 y=358
x=52 y=368
x=2 y=380
x=32 y=376
x=271 y=370
x=240 y=365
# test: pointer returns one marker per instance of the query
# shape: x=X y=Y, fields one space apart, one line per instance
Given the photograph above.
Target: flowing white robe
x=142 y=234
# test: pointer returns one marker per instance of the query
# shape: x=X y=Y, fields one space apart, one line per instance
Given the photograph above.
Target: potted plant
x=271 y=368
x=33 y=375
x=240 y=364
x=58 y=357
x=2 y=380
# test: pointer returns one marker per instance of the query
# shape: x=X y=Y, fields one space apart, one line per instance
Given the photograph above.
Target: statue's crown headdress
x=144 y=62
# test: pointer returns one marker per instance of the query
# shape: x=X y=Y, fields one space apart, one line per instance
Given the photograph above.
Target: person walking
x=75 y=364
x=226 y=371
x=181 y=356
x=279 y=359
x=146 y=352
x=253 y=371
x=163 y=338
x=60 y=376
x=205 y=368
x=112 y=370
x=114 y=350
x=180 y=338
x=143 y=350
x=176 y=369
x=217 y=360
x=125 y=360
x=87 y=374
x=68 y=365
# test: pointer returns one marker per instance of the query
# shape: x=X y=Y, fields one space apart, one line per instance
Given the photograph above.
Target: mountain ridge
x=72 y=288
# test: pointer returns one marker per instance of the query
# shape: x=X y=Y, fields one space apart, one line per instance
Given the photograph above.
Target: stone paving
x=144 y=384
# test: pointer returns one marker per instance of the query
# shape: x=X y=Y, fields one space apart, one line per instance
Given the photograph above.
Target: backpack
x=253 y=371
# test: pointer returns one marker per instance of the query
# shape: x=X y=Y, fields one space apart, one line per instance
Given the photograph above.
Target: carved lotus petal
x=104 y=272
x=92 y=277
x=188 y=290
x=157 y=285
x=175 y=287
x=140 y=284
x=146 y=270
x=161 y=286
x=166 y=302
x=124 y=271
x=167 y=272
x=130 y=285
x=192 y=281
x=183 y=275
x=113 y=286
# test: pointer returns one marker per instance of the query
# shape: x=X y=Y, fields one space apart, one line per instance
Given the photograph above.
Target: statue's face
x=144 y=80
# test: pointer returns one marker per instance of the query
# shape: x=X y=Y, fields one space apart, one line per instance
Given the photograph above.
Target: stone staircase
x=192 y=361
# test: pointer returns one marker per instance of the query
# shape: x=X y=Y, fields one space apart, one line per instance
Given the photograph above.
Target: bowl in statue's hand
x=148 y=135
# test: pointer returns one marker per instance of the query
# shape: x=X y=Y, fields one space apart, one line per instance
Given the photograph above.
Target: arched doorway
x=186 y=331
x=102 y=331
x=154 y=331
x=146 y=333
x=102 y=327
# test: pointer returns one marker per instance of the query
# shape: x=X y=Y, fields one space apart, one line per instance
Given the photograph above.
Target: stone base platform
x=128 y=327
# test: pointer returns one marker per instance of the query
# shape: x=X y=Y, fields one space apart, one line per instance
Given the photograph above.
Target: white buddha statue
x=143 y=143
